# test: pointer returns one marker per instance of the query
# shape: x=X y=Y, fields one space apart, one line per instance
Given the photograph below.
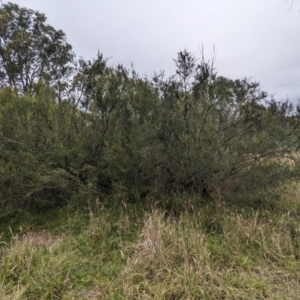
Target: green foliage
x=216 y=133
x=38 y=138
x=115 y=138
x=129 y=137
x=31 y=50
x=118 y=134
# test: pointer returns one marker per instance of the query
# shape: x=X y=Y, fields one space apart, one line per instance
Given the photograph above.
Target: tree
x=221 y=135
x=31 y=50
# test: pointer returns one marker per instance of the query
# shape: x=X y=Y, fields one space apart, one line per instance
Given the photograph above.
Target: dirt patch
x=90 y=294
x=41 y=239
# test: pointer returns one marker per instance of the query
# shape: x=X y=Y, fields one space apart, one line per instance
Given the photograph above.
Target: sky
x=257 y=39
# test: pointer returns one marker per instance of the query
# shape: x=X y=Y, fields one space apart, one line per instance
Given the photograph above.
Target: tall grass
x=134 y=252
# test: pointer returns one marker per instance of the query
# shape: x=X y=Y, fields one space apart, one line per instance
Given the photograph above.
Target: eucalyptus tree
x=31 y=50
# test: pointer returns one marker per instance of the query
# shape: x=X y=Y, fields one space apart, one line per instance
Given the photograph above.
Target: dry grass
x=43 y=238
x=215 y=252
x=250 y=259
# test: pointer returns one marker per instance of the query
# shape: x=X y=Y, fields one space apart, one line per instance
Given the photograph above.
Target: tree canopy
x=31 y=50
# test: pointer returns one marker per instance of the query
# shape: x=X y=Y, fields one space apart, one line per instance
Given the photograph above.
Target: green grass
x=135 y=252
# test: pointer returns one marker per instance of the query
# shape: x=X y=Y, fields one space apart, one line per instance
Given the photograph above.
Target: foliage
x=119 y=134
x=31 y=50
x=195 y=131
x=220 y=134
x=129 y=137
x=38 y=138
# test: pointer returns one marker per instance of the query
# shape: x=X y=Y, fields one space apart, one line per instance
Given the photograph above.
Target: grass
x=134 y=252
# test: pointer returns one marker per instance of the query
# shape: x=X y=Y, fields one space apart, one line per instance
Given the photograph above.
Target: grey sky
x=253 y=38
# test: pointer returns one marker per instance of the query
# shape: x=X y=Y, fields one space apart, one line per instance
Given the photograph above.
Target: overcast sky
x=252 y=38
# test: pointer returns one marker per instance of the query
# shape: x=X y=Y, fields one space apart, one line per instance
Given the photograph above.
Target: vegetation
x=31 y=50
x=117 y=186
x=141 y=252
x=128 y=138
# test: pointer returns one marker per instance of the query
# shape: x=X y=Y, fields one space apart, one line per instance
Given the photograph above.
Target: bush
x=129 y=137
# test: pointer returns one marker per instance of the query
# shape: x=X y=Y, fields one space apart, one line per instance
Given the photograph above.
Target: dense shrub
x=116 y=134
